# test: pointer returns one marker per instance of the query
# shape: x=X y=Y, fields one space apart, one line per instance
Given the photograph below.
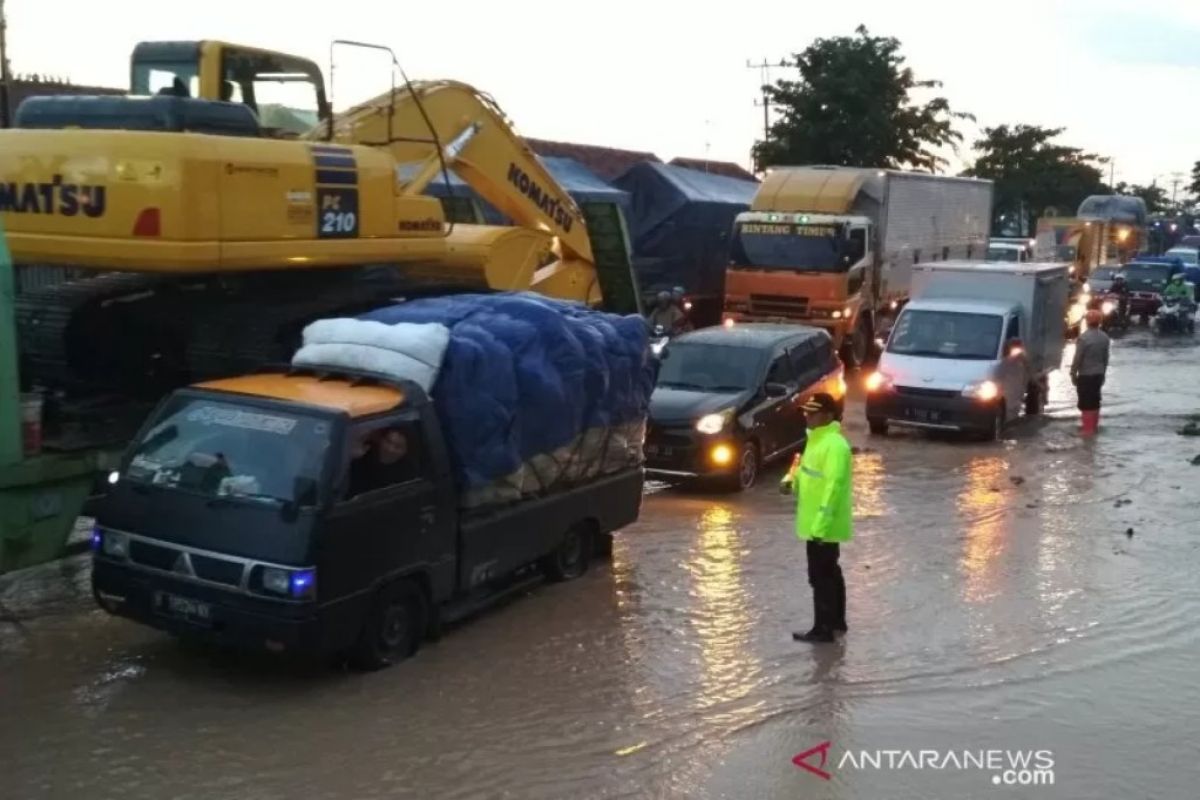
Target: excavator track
x=143 y=336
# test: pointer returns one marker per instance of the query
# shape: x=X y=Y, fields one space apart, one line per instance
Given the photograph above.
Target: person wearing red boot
x=1088 y=369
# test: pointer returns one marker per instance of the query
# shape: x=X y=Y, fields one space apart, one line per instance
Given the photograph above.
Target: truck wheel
x=394 y=627
x=878 y=427
x=857 y=347
x=570 y=559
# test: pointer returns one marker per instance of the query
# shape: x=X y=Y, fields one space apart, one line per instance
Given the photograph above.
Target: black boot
x=815 y=636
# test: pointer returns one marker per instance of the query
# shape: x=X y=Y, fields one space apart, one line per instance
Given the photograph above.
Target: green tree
x=1033 y=173
x=1194 y=186
x=1154 y=195
x=852 y=107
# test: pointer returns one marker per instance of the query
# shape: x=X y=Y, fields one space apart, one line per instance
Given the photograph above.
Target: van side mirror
x=775 y=390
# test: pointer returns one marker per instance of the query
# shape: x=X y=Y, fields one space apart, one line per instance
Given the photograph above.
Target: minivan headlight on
x=982 y=390
x=712 y=423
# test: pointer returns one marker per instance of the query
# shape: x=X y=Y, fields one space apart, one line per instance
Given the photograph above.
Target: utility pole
x=5 y=111
x=764 y=67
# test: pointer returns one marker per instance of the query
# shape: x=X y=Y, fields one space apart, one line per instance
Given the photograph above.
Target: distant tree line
x=852 y=104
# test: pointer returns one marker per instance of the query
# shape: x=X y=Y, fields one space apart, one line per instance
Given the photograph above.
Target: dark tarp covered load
x=581 y=183
x=533 y=394
x=680 y=225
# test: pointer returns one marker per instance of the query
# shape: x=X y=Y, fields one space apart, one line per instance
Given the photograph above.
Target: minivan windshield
x=1187 y=255
x=218 y=449
x=710 y=367
x=1147 y=277
x=946 y=334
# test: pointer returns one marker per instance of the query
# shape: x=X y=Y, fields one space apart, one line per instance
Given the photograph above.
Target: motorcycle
x=659 y=337
x=1174 y=316
x=1114 y=317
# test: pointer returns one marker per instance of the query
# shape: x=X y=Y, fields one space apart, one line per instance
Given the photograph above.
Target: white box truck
x=835 y=247
x=973 y=347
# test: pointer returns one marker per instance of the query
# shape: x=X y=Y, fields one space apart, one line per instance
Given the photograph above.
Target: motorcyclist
x=1177 y=290
x=1121 y=289
x=665 y=314
x=678 y=296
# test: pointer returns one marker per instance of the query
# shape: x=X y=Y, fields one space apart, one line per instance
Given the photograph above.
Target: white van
x=973 y=349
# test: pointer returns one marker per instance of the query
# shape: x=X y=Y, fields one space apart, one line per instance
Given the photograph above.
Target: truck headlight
x=276 y=580
x=298 y=583
x=712 y=423
x=982 y=390
x=115 y=544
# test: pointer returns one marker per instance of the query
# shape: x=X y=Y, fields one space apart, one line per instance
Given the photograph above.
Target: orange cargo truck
x=834 y=247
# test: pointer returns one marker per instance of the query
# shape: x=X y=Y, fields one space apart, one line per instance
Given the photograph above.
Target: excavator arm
x=427 y=126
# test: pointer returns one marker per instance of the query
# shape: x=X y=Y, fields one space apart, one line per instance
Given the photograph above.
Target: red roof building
x=606 y=162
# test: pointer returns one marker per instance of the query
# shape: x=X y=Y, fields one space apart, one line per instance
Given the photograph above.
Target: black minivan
x=728 y=399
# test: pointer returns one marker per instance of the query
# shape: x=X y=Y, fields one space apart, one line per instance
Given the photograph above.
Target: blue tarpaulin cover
x=526 y=376
x=582 y=184
x=680 y=224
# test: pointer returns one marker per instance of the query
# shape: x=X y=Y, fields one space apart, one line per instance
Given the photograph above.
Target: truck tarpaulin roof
x=680 y=224
x=534 y=394
x=582 y=184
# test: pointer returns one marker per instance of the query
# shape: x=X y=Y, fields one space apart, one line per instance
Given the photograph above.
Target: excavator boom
x=430 y=125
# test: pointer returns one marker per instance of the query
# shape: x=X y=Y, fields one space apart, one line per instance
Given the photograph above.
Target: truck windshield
x=775 y=245
x=946 y=334
x=1147 y=277
x=219 y=449
x=710 y=367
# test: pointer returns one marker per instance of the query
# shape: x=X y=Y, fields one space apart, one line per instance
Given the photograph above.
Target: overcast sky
x=671 y=77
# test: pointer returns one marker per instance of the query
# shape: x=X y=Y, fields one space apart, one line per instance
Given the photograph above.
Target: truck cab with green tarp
x=41 y=491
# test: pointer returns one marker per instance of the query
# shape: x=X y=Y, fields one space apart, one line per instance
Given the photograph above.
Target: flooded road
x=996 y=602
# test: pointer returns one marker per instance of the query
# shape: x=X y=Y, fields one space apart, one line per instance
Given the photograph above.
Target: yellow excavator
x=224 y=206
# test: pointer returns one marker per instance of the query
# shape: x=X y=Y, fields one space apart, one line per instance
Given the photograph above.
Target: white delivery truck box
x=972 y=348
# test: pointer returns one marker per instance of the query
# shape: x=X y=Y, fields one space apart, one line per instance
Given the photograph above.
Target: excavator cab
x=285 y=92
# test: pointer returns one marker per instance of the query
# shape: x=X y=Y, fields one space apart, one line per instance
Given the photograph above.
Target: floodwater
x=996 y=603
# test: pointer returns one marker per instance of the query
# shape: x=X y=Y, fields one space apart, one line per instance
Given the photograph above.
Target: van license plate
x=183 y=607
x=925 y=415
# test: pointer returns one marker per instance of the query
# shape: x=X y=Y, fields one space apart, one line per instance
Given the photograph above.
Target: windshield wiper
x=726 y=388
x=680 y=385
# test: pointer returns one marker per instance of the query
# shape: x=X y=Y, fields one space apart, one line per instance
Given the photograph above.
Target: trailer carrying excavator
x=221 y=206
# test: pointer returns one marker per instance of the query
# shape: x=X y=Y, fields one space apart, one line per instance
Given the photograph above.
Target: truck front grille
x=915 y=391
x=778 y=305
x=168 y=559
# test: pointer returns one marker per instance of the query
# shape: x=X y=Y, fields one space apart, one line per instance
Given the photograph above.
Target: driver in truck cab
x=380 y=460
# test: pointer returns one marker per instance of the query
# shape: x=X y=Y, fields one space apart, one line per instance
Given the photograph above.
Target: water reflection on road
x=995 y=600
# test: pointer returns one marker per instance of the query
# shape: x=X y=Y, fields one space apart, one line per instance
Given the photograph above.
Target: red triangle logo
x=801 y=760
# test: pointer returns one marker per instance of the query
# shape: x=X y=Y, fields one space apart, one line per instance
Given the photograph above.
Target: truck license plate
x=184 y=607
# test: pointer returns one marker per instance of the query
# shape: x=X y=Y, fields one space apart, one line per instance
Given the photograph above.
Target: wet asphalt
x=997 y=602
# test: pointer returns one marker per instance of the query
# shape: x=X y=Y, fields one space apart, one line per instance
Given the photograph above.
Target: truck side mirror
x=775 y=390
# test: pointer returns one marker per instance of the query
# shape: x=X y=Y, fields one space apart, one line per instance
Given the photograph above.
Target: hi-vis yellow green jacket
x=821 y=482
